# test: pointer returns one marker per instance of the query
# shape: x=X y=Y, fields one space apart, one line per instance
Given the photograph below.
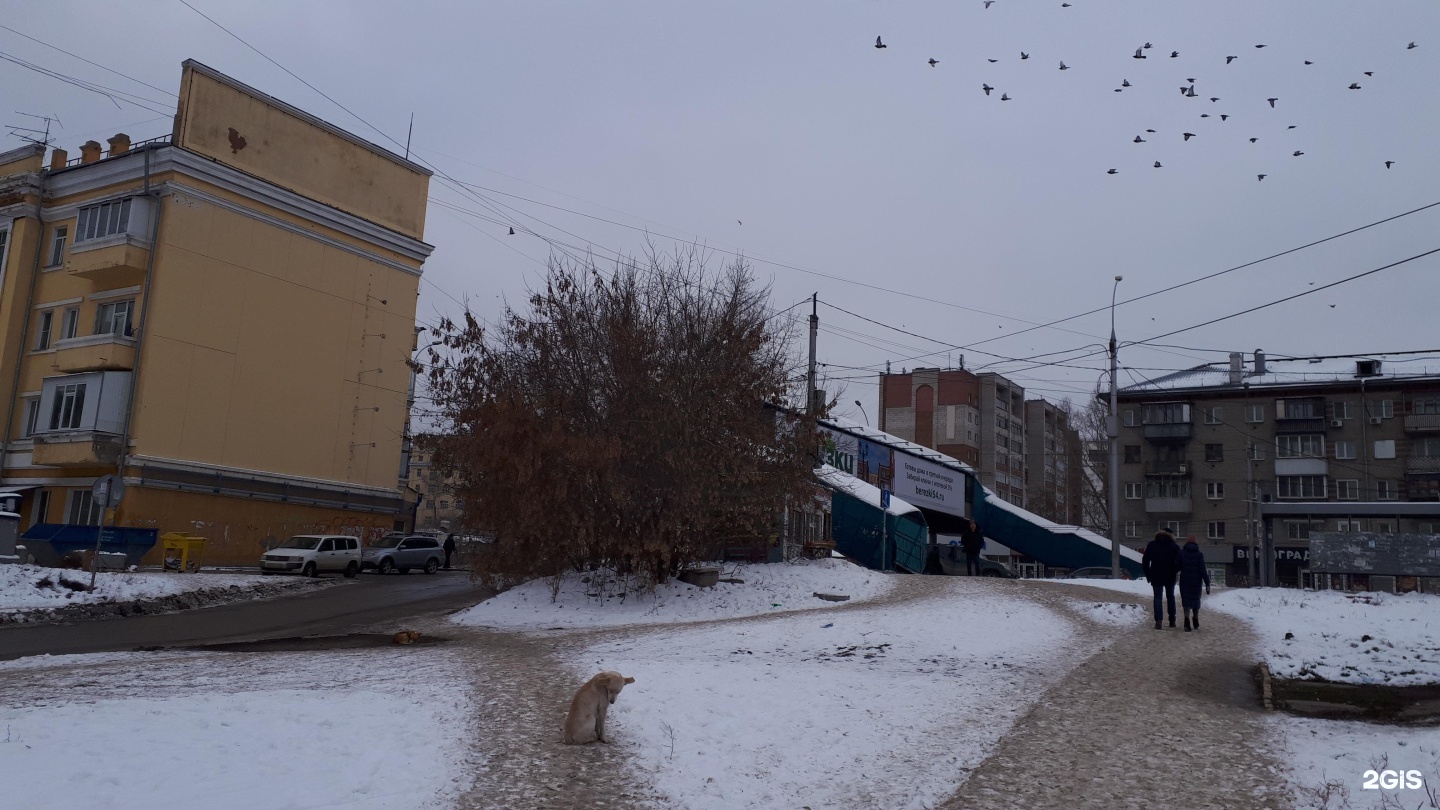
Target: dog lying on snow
x=406 y=637
x=586 y=722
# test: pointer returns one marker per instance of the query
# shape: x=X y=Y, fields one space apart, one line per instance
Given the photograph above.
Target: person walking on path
x=1192 y=573
x=971 y=541
x=1162 y=563
x=449 y=548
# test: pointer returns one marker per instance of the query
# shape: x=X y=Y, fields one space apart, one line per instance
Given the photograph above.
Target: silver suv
x=401 y=552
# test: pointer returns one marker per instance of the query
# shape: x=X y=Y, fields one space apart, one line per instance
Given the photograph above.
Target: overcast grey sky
x=870 y=165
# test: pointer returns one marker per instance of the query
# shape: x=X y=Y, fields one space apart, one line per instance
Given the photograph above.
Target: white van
x=311 y=555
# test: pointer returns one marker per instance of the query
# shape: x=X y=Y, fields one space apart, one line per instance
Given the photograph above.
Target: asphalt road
x=330 y=611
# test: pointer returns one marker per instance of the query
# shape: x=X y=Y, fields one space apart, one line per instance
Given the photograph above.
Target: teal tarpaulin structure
x=855 y=523
x=1051 y=543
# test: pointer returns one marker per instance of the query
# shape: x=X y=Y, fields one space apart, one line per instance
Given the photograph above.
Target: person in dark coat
x=449 y=548
x=1162 y=563
x=971 y=541
x=1192 y=573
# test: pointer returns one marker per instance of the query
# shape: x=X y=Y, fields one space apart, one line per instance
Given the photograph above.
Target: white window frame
x=1387 y=409
x=1344 y=450
x=1256 y=452
x=1301 y=487
x=107 y=313
x=68 y=411
x=81 y=509
x=1254 y=414
x=41 y=507
x=1386 y=490
x=1131 y=418
x=32 y=416
x=70 y=323
x=58 y=237
x=1134 y=492
x=1131 y=530
x=1341 y=409
x=1213 y=415
x=1300 y=445
x=44 y=330
x=1175 y=527
x=1347 y=489
x=103 y=219
x=1215 y=490
x=1210 y=530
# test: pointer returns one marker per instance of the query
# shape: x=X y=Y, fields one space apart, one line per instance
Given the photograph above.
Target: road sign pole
x=105 y=493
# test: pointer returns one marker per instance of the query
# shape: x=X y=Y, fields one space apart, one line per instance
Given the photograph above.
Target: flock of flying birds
x=1186 y=90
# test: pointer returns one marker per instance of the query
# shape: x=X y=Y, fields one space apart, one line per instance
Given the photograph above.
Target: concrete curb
x=1267 y=692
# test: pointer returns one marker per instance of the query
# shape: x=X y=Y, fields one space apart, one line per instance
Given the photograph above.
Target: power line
x=88 y=62
x=115 y=96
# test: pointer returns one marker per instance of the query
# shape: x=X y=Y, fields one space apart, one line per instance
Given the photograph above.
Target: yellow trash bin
x=190 y=549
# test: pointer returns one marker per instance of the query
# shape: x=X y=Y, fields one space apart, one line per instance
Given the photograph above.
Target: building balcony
x=94 y=353
x=1301 y=425
x=1422 y=423
x=114 y=261
x=1419 y=465
x=81 y=448
x=1167 y=468
x=1168 y=432
x=1302 y=466
x=1167 y=505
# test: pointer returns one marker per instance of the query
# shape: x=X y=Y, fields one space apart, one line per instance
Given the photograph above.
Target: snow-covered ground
x=889 y=706
x=1328 y=760
x=31 y=587
x=354 y=729
x=1136 y=587
x=1350 y=638
x=766 y=588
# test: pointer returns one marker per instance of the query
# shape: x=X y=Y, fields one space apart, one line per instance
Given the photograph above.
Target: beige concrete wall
x=259 y=135
x=262 y=350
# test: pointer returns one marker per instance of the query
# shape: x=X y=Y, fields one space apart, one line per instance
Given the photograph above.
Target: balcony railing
x=1422 y=464
x=1167 y=468
x=1167 y=505
x=1307 y=424
x=1168 y=432
x=1422 y=423
x=159 y=140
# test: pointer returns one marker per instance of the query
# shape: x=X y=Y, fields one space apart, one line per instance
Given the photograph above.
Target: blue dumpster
x=50 y=542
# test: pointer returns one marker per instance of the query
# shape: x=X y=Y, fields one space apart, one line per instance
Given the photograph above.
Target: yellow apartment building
x=223 y=316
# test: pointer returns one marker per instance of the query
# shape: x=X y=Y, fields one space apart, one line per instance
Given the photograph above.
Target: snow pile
x=1328 y=760
x=1357 y=638
x=887 y=706
x=1138 y=587
x=365 y=730
x=1115 y=614
x=31 y=587
x=765 y=588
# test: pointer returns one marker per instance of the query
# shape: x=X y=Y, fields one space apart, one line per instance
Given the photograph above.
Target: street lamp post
x=862 y=412
x=1112 y=425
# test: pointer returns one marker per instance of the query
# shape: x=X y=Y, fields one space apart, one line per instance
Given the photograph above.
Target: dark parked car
x=398 y=552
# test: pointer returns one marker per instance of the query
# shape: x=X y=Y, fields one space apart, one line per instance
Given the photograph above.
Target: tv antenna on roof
x=34 y=134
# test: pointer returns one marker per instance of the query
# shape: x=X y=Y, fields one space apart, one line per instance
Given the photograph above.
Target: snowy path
x=1159 y=719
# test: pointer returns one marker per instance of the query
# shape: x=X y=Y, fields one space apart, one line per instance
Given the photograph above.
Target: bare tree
x=626 y=420
x=1088 y=419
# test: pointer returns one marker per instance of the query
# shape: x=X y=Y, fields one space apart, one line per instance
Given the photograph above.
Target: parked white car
x=397 y=552
x=311 y=555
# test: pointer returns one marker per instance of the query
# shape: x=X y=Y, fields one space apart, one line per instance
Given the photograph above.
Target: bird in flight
x=934 y=62
x=987 y=88
x=1151 y=131
x=1214 y=98
x=1389 y=163
x=1139 y=139
x=512 y=231
x=1259 y=46
x=1354 y=86
x=989 y=3
x=1157 y=164
x=1204 y=115
x=1272 y=102
x=1189 y=135
x=1124 y=82
x=1297 y=153
x=1064 y=66
x=1004 y=96
x=1253 y=140
x=1223 y=116
x=1139 y=53
x=1230 y=59
x=1113 y=171
x=1369 y=73
x=1174 y=54
x=1292 y=126
x=1192 y=81
x=1260 y=176
x=1024 y=55
x=880 y=44
x=992 y=61
x=1191 y=94
x=1064 y=5
x=1410 y=47
x=1308 y=62
x=1148 y=45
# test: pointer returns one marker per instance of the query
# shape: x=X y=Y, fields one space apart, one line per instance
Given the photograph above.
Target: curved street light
x=1112 y=427
x=862 y=412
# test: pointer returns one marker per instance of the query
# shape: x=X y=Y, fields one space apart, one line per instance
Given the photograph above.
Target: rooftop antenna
x=34 y=134
x=408 y=134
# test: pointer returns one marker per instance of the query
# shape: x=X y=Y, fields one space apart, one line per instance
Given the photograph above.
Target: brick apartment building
x=1054 y=468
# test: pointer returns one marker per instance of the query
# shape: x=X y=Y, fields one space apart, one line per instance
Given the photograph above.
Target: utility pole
x=810 y=406
x=1112 y=427
x=1250 y=506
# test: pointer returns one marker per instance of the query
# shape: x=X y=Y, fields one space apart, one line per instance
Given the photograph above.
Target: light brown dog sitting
x=586 y=722
x=405 y=637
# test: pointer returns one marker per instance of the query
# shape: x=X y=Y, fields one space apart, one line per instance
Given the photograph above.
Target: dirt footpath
x=1161 y=718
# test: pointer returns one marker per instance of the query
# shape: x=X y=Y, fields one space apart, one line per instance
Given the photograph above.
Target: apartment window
x=82 y=509
x=1132 y=454
x=1341 y=410
x=57 y=246
x=1387 y=490
x=1300 y=529
x=1385 y=448
x=1130 y=420
x=1347 y=489
x=41 y=510
x=1167 y=488
x=1428 y=447
x=69 y=405
x=1299 y=408
x=32 y=417
x=70 y=324
x=1215 y=490
x=1214 y=452
x=1175 y=527
x=114 y=318
x=1300 y=486
x=1214 y=415
x=1215 y=530
x=1254 y=413
x=1344 y=449
x=1425 y=406
x=43 y=329
x=1167 y=413
x=4 y=238
x=1131 y=530
x=1349 y=525
x=1001 y=423
x=1387 y=409
x=102 y=220
x=1132 y=492
x=1256 y=452
x=1300 y=445
x=444 y=504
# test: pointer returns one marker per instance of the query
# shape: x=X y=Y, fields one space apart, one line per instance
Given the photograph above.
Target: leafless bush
x=621 y=422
